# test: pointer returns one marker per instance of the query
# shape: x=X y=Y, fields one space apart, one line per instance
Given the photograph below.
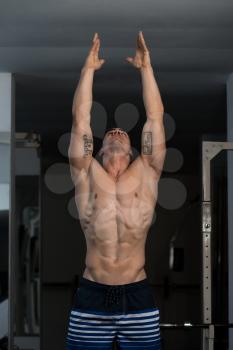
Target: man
x=116 y=201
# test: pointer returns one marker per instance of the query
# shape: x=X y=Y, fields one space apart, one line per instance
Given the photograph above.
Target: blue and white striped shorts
x=103 y=312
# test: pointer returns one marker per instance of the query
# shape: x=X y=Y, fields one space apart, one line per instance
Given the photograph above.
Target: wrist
x=146 y=68
x=87 y=69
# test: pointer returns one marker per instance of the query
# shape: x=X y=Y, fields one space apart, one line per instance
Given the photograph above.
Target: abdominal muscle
x=103 y=267
x=116 y=245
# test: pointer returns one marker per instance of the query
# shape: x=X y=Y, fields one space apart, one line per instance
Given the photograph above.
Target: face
x=116 y=144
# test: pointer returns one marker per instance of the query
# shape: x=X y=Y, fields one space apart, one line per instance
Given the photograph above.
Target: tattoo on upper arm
x=147 y=143
x=88 y=145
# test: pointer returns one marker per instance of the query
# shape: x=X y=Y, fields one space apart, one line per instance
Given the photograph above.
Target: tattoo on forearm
x=88 y=145
x=147 y=143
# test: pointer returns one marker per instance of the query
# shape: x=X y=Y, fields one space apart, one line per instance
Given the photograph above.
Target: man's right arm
x=81 y=141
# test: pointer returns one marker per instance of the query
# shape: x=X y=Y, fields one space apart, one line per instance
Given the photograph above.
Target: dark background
x=45 y=45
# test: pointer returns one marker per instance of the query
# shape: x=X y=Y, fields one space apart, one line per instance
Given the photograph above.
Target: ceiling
x=190 y=41
x=45 y=44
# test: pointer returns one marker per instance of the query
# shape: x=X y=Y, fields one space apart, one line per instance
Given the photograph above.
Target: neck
x=115 y=168
x=115 y=173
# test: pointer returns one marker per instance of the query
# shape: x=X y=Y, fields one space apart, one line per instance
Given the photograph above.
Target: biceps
x=153 y=144
x=81 y=146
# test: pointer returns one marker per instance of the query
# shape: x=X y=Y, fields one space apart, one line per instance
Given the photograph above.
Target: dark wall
x=178 y=293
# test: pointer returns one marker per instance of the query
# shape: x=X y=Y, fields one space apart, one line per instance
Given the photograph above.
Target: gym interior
x=190 y=242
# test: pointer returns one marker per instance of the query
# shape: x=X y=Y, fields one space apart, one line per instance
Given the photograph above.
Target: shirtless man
x=115 y=201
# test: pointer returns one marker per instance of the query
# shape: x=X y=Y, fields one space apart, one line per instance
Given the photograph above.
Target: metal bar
x=206 y=243
x=194 y=325
x=211 y=337
x=40 y=251
x=209 y=150
x=11 y=242
x=206 y=262
x=40 y=260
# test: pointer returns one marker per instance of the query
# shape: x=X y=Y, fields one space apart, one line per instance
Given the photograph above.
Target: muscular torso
x=115 y=217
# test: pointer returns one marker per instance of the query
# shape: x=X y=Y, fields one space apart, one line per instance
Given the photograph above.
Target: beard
x=117 y=146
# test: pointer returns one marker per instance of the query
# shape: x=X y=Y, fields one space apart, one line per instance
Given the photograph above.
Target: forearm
x=82 y=101
x=151 y=95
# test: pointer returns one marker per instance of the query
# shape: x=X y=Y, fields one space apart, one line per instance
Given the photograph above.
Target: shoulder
x=95 y=166
x=141 y=165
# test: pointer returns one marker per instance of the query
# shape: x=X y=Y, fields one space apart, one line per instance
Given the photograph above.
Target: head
x=116 y=149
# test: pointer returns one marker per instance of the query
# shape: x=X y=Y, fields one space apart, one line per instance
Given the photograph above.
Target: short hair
x=110 y=129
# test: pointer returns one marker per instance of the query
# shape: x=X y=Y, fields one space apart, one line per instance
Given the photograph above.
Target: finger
x=138 y=42
x=97 y=47
x=129 y=59
x=141 y=44
x=94 y=46
x=100 y=63
x=94 y=38
x=142 y=41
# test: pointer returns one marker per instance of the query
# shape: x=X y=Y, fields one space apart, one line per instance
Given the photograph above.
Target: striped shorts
x=102 y=313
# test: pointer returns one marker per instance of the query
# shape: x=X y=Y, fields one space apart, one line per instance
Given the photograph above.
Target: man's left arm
x=153 y=146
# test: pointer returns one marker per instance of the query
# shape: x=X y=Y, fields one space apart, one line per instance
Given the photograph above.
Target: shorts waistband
x=128 y=286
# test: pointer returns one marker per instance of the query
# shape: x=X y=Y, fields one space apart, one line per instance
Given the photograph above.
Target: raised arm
x=153 y=136
x=81 y=141
x=153 y=147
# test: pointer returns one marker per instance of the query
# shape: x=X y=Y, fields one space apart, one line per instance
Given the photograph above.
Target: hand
x=142 y=57
x=92 y=60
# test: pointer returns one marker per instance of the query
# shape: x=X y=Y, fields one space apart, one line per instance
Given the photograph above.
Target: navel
x=136 y=195
x=95 y=195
